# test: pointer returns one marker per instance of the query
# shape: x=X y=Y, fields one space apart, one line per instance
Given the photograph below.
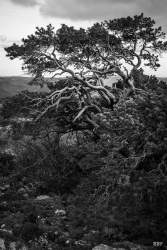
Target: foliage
x=129 y=190
x=109 y=183
x=20 y=104
x=7 y=164
x=85 y=58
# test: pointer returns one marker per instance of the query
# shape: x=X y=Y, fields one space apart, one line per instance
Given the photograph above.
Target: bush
x=112 y=183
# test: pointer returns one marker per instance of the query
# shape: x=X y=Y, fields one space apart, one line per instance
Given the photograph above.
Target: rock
x=128 y=245
x=12 y=246
x=16 y=246
x=102 y=247
x=25 y=196
x=81 y=243
x=24 y=248
x=1 y=194
x=43 y=197
x=5 y=187
x=21 y=191
x=60 y=212
x=5 y=231
x=2 y=244
x=125 y=245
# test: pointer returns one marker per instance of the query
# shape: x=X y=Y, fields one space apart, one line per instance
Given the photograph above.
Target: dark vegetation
x=79 y=169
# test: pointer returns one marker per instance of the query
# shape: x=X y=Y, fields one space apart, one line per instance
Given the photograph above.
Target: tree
x=75 y=63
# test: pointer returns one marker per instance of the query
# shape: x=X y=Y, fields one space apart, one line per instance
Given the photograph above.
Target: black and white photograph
x=83 y=124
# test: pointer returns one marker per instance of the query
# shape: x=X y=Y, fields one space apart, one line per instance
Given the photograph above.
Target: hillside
x=163 y=79
x=108 y=187
x=10 y=86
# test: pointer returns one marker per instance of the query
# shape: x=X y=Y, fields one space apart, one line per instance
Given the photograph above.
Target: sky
x=18 y=18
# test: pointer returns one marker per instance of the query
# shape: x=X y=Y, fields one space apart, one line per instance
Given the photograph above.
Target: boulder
x=43 y=197
x=2 y=244
x=126 y=245
x=12 y=246
x=102 y=247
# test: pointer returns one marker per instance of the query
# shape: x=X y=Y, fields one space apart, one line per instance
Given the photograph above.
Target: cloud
x=81 y=10
x=156 y=9
x=25 y=2
x=85 y=9
x=3 y=38
x=4 y=41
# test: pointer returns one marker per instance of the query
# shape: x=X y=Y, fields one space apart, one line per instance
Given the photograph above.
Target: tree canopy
x=74 y=63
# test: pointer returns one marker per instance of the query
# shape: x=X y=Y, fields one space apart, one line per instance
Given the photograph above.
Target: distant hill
x=163 y=79
x=10 y=86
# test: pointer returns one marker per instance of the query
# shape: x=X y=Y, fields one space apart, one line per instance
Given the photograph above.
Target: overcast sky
x=18 y=18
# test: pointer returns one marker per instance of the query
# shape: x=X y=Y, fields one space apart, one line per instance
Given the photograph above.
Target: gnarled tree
x=74 y=63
